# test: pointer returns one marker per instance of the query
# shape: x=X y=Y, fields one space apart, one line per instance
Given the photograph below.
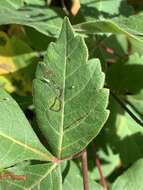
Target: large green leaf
x=68 y=95
x=48 y=21
x=20 y=3
x=18 y=142
x=131 y=26
x=131 y=179
x=38 y=177
x=45 y=20
x=11 y=4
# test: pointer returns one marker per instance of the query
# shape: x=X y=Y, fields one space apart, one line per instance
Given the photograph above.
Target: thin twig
x=98 y=164
x=122 y=104
x=64 y=7
x=134 y=108
x=85 y=170
x=73 y=157
x=48 y=2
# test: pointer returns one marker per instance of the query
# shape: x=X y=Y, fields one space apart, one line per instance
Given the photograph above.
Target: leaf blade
x=33 y=17
x=18 y=141
x=60 y=86
x=38 y=176
x=128 y=26
x=130 y=179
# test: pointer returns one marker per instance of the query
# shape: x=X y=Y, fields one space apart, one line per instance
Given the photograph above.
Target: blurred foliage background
x=28 y=26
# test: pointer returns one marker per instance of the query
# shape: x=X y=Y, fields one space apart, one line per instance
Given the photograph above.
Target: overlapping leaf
x=20 y=3
x=131 y=179
x=45 y=20
x=69 y=96
x=48 y=22
x=18 y=141
x=12 y=4
x=131 y=27
x=36 y=177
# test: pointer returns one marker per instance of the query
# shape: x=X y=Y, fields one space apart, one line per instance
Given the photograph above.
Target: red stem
x=98 y=164
x=85 y=170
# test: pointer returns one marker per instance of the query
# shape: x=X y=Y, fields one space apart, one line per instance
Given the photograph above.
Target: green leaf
x=69 y=97
x=12 y=4
x=20 y=3
x=92 y=9
x=18 y=140
x=123 y=134
x=74 y=181
x=48 y=21
x=45 y=20
x=131 y=179
x=38 y=177
x=131 y=27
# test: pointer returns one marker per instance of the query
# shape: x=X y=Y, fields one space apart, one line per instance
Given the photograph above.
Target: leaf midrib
x=63 y=102
x=44 y=155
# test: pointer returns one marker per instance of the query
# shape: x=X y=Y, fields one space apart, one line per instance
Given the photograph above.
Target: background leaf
x=12 y=4
x=45 y=20
x=123 y=134
x=131 y=179
x=18 y=141
x=38 y=176
x=131 y=26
